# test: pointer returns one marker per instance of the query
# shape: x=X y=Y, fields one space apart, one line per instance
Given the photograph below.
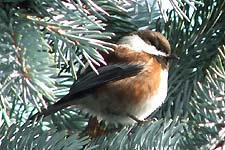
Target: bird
x=129 y=88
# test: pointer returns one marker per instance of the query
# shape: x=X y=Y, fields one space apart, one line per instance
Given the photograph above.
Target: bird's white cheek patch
x=138 y=45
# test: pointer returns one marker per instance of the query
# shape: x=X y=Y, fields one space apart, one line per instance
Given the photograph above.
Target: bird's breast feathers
x=154 y=99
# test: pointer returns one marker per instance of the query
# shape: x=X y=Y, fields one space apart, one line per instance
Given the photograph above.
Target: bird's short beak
x=173 y=56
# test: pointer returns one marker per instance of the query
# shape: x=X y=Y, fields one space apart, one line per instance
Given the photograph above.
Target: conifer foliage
x=46 y=44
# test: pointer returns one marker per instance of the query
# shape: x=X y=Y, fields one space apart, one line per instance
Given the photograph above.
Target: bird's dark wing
x=90 y=81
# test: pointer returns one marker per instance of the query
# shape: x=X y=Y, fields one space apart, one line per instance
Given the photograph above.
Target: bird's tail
x=50 y=110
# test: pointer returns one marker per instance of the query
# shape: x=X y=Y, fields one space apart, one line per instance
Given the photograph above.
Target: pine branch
x=33 y=137
x=160 y=134
x=22 y=80
x=204 y=129
x=75 y=33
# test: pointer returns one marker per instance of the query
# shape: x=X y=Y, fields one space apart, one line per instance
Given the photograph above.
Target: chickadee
x=130 y=87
